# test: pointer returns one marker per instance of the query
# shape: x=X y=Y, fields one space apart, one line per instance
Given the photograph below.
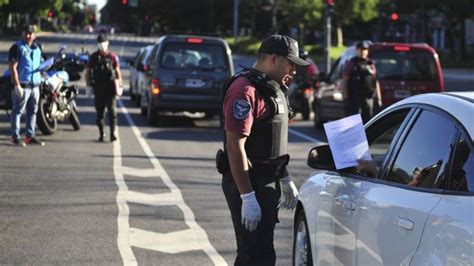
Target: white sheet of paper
x=347 y=141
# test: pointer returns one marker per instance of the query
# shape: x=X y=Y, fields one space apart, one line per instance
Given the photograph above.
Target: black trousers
x=362 y=105
x=253 y=248
x=101 y=102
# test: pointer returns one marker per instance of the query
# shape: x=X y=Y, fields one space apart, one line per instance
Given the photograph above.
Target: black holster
x=222 y=162
x=267 y=171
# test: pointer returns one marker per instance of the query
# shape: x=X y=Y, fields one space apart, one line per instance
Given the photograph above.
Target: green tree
x=454 y=13
x=347 y=12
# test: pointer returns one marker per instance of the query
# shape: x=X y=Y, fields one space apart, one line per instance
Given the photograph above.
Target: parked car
x=402 y=70
x=186 y=74
x=134 y=72
x=416 y=210
x=138 y=67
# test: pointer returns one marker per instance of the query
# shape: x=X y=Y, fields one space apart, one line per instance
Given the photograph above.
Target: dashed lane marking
x=194 y=238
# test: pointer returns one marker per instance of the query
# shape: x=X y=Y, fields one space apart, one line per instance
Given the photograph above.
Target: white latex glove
x=251 y=212
x=19 y=91
x=289 y=193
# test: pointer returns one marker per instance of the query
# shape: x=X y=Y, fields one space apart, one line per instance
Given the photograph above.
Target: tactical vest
x=102 y=71
x=268 y=137
x=29 y=61
x=362 y=78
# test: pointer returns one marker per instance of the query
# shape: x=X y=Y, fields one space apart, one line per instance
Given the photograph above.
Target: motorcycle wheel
x=45 y=122
x=74 y=119
x=305 y=110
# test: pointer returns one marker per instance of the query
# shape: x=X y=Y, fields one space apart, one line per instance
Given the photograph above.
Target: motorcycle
x=57 y=97
x=300 y=96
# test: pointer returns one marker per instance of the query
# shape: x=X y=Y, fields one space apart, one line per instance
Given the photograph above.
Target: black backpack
x=362 y=78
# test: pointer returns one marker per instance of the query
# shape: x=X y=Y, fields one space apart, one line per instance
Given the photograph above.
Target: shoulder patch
x=241 y=109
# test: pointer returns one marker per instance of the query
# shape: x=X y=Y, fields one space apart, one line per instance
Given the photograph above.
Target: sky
x=99 y=3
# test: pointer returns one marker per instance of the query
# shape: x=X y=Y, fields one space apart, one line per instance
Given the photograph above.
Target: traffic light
x=50 y=14
x=329 y=3
x=124 y=2
x=394 y=16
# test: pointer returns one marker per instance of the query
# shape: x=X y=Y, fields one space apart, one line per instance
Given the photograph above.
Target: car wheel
x=152 y=116
x=138 y=100
x=301 y=243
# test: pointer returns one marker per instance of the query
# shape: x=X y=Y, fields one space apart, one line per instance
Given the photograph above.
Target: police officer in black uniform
x=102 y=70
x=359 y=84
x=255 y=156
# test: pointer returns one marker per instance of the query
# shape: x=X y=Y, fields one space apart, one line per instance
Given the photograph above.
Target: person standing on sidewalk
x=24 y=60
x=255 y=156
x=102 y=70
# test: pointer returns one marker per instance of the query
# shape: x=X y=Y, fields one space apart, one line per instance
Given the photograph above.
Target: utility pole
x=236 y=20
x=327 y=28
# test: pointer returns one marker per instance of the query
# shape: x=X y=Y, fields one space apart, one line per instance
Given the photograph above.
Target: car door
x=340 y=197
x=394 y=211
x=449 y=231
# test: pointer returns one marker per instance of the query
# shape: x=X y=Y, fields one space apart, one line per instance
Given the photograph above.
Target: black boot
x=113 y=137
x=101 y=132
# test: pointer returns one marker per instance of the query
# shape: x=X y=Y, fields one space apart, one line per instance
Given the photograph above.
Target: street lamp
x=236 y=20
x=327 y=16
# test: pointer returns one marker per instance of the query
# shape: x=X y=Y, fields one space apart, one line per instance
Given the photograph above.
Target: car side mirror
x=320 y=157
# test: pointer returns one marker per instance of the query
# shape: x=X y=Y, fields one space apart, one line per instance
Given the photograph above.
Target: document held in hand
x=347 y=141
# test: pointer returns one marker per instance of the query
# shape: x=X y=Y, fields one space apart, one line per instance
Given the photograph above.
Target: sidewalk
x=459 y=74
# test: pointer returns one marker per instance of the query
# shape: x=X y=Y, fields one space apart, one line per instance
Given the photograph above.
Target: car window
x=381 y=134
x=409 y=66
x=136 y=58
x=333 y=76
x=462 y=168
x=150 y=61
x=191 y=56
x=144 y=55
x=423 y=154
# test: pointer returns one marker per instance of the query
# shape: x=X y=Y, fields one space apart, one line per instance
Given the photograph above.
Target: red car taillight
x=155 y=86
x=195 y=40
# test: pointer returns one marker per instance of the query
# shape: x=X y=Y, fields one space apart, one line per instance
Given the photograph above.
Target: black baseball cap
x=102 y=38
x=284 y=46
x=29 y=28
x=362 y=45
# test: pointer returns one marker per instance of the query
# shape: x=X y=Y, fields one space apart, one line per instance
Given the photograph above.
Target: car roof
x=458 y=104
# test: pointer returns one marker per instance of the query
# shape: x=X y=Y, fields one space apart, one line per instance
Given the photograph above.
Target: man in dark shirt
x=359 y=83
x=102 y=70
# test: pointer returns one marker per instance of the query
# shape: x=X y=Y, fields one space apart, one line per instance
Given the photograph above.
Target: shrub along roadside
x=249 y=46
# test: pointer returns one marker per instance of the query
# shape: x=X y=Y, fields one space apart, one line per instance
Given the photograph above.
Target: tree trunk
x=462 y=38
x=340 y=40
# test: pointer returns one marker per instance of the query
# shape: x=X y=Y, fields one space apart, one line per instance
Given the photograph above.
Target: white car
x=417 y=209
x=138 y=67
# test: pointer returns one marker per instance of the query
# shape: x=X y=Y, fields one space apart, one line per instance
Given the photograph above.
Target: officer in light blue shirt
x=24 y=60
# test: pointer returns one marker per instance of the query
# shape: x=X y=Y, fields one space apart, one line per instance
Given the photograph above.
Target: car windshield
x=193 y=56
x=409 y=66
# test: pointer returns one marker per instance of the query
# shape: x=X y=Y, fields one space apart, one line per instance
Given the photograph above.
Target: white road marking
x=303 y=136
x=194 y=238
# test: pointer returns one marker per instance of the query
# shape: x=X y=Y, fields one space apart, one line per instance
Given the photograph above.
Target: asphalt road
x=153 y=197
